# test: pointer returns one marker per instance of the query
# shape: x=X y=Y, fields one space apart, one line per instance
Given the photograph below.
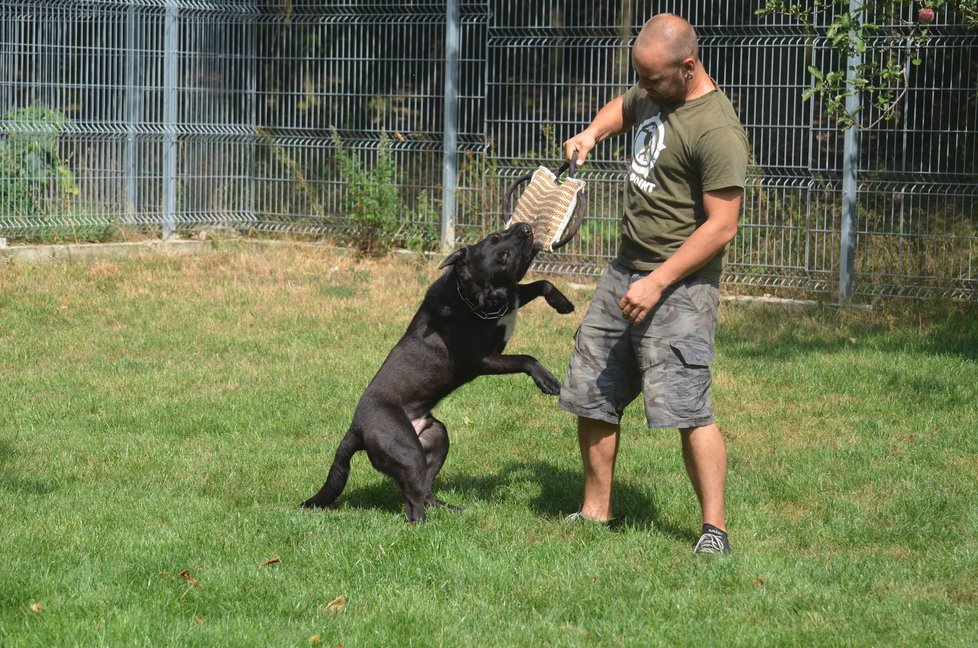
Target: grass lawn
x=161 y=418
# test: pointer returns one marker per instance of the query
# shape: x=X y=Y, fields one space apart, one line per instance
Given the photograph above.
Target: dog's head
x=490 y=269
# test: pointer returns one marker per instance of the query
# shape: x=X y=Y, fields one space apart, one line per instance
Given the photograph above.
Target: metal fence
x=175 y=115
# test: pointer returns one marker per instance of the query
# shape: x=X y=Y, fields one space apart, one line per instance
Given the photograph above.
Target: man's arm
x=609 y=121
x=722 y=211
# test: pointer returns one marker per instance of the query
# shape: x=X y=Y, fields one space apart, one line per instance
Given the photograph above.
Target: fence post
x=170 y=69
x=134 y=107
x=449 y=161
x=850 y=167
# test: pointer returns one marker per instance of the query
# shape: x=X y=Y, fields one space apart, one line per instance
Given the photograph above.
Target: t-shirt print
x=650 y=140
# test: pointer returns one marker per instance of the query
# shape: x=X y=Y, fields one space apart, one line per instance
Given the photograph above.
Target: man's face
x=659 y=75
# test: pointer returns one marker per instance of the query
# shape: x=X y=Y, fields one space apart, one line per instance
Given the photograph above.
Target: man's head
x=666 y=58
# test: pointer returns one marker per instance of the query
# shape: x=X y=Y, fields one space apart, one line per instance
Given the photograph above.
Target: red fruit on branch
x=926 y=15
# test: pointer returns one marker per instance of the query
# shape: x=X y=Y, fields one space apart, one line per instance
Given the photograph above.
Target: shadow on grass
x=559 y=495
x=926 y=327
x=19 y=486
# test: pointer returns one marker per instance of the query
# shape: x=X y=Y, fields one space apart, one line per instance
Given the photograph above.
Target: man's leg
x=599 y=448
x=705 y=456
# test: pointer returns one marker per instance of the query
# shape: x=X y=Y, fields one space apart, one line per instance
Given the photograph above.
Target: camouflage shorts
x=667 y=357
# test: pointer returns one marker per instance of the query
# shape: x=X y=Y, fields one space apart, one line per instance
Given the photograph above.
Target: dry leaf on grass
x=337 y=604
x=270 y=561
x=187 y=577
x=36 y=608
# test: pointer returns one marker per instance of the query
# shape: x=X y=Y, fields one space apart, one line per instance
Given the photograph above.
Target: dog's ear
x=458 y=256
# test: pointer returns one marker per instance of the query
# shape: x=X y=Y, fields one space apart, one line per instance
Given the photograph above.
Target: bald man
x=651 y=323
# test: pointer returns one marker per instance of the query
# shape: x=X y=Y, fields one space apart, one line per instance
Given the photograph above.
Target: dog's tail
x=339 y=472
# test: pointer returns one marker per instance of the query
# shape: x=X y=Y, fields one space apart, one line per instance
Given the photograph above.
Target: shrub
x=372 y=201
x=32 y=166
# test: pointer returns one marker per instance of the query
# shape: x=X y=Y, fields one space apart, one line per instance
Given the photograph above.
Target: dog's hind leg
x=434 y=439
x=339 y=472
x=397 y=452
x=409 y=475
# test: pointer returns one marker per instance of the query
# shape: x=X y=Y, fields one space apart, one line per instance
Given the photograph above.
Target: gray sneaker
x=712 y=541
x=578 y=518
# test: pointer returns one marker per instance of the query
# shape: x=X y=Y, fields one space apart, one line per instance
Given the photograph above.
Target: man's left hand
x=640 y=298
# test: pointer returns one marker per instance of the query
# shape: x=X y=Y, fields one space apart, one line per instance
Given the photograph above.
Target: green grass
x=166 y=415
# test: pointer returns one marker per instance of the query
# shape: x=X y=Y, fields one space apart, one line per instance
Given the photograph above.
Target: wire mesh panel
x=215 y=115
x=918 y=225
x=124 y=114
x=781 y=242
x=359 y=77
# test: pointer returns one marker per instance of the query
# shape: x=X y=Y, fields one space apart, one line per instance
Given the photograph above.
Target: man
x=651 y=323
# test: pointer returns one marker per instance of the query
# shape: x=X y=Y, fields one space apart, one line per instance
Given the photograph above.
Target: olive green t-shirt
x=679 y=152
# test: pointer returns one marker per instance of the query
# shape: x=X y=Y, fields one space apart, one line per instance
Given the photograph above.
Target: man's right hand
x=583 y=142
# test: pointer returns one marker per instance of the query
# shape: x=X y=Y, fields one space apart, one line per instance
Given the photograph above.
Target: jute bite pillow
x=547 y=205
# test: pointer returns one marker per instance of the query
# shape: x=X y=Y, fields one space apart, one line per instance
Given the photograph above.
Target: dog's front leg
x=530 y=291
x=508 y=364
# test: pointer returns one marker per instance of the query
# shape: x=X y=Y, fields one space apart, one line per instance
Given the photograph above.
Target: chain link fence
x=170 y=116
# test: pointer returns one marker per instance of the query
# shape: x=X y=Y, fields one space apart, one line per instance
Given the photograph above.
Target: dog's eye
x=494 y=238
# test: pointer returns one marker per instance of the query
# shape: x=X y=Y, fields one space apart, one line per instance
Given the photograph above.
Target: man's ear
x=458 y=256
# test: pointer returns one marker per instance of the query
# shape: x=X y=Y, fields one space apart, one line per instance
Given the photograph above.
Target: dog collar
x=478 y=312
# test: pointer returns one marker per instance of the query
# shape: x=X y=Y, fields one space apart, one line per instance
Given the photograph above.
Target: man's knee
x=596 y=428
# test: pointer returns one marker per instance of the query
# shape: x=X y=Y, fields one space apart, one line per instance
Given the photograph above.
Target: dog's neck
x=476 y=310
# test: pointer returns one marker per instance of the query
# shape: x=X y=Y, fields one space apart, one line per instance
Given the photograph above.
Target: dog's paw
x=560 y=303
x=547 y=384
x=564 y=307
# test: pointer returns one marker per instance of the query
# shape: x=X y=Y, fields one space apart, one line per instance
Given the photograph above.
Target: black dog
x=458 y=333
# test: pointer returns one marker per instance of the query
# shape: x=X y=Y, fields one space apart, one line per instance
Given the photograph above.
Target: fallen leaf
x=270 y=561
x=36 y=608
x=187 y=577
x=758 y=581
x=315 y=639
x=198 y=621
x=337 y=604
